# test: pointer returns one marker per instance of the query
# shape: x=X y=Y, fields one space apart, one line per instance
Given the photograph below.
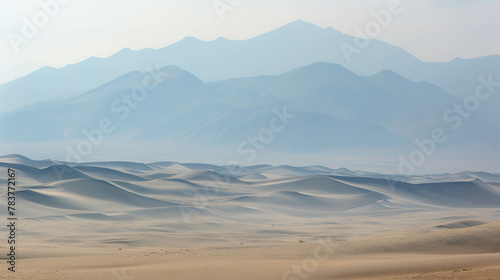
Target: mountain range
x=332 y=108
x=225 y=92
x=292 y=46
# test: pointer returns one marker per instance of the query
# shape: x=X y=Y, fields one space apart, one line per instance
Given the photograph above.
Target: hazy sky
x=432 y=30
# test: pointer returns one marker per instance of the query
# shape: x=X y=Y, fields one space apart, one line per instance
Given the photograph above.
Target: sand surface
x=467 y=252
x=370 y=258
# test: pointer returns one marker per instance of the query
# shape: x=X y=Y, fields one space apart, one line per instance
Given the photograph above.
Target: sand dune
x=278 y=190
x=385 y=223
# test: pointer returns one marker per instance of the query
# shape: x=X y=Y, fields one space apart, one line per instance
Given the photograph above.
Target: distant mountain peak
x=173 y=72
x=171 y=68
x=326 y=65
x=295 y=26
x=389 y=74
x=187 y=39
x=300 y=22
x=457 y=59
x=125 y=50
x=221 y=38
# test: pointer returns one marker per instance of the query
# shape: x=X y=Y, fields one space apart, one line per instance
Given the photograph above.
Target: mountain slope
x=330 y=108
